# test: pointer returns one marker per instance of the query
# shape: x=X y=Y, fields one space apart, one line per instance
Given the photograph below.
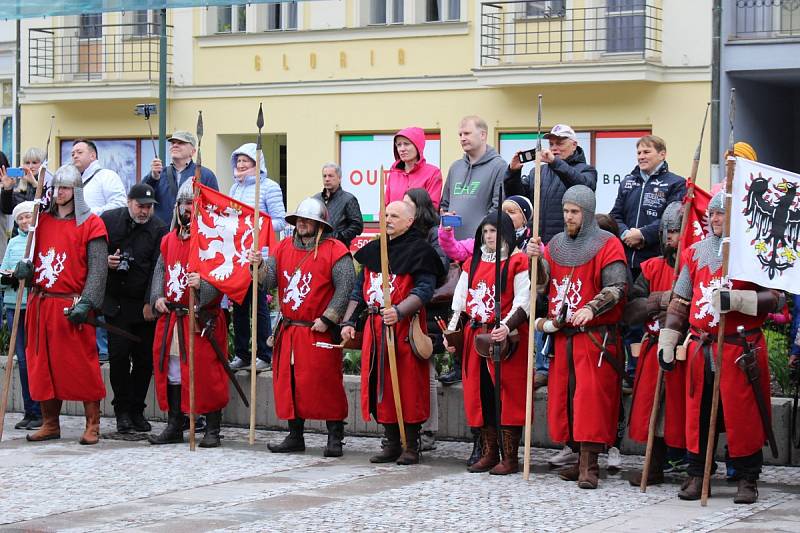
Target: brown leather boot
x=510 y=462
x=655 y=474
x=746 y=492
x=692 y=488
x=490 y=451
x=569 y=473
x=410 y=455
x=51 y=409
x=92 y=433
x=392 y=449
x=588 y=468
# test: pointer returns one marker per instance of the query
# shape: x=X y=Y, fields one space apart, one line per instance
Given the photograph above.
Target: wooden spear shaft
x=254 y=298
x=192 y=292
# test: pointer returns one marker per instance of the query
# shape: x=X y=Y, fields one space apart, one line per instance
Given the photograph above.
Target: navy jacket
x=557 y=177
x=640 y=205
x=166 y=187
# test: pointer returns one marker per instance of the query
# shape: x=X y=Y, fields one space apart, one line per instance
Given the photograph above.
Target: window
x=91 y=26
x=231 y=19
x=625 y=26
x=8 y=94
x=146 y=23
x=386 y=11
x=440 y=10
x=545 y=8
x=282 y=16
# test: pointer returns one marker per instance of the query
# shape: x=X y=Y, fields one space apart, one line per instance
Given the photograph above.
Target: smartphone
x=15 y=172
x=452 y=221
x=526 y=156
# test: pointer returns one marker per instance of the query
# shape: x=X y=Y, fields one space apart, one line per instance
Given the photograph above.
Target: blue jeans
x=241 y=328
x=795 y=349
x=32 y=408
x=542 y=360
x=102 y=339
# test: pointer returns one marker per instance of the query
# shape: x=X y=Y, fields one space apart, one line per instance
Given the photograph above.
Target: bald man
x=415 y=269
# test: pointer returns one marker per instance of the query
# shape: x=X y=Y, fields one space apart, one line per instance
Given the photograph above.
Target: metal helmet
x=68 y=176
x=575 y=251
x=670 y=221
x=311 y=209
x=185 y=193
x=717 y=203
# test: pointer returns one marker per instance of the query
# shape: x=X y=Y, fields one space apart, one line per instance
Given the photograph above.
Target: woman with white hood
x=243 y=164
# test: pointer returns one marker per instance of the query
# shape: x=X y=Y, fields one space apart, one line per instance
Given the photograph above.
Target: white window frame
x=445 y=8
x=390 y=13
x=539 y=9
x=153 y=21
x=285 y=19
x=235 y=22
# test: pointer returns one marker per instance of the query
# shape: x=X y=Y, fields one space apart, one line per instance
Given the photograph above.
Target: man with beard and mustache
x=134 y=236
x=314 y=275
x=589 y=279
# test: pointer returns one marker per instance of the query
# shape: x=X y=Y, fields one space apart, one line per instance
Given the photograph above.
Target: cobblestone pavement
x=129 y=485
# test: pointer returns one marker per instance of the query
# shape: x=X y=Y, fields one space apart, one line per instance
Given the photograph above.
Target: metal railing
x=767 y=19
x=519 y=32
x=121 y=52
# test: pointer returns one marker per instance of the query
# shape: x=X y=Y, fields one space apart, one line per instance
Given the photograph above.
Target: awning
x=20 y=9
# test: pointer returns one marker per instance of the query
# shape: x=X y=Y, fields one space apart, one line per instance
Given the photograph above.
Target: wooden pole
x=192 y=292
x=387 y=303
x=537 y=182
x=9 y=373
x=254 y=298
x=651 y=430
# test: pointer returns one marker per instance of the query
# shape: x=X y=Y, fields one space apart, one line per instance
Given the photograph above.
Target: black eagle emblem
x=772 y=212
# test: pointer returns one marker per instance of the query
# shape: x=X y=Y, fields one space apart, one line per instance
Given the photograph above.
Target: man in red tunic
x=701 y=294
x=647 y=304
x=68 y=273
x=414 y=270
x=585 y=270
x=314 y=274
x=475 y=296
x=169 y=296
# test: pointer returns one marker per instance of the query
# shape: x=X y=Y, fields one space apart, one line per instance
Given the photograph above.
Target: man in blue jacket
x=166 y=182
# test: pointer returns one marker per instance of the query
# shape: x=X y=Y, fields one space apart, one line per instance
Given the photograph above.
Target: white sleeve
x=111 y=192
x=522 y=294
x=459 y=300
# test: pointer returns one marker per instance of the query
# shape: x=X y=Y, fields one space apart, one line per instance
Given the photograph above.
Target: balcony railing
x=108 y=52
x=767 y=19
x=533 y=32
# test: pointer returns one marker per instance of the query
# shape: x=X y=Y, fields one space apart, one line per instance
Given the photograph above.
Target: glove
x=546 y=325
x=79 y=313
x=726 y=300
x=24 y=270
x=668 y=339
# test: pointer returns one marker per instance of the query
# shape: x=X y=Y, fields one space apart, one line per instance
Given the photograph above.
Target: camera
x=526 y=156
x=125 y=260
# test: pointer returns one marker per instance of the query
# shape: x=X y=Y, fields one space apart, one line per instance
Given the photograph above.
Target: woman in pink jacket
x=410 y=170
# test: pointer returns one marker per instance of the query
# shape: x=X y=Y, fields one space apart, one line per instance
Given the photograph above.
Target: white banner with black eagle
x=765 y=226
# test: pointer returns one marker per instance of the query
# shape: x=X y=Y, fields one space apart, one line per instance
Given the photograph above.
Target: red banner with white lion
x=221 y=233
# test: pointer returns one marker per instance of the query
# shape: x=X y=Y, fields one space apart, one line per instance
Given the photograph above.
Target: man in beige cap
x=166 y=182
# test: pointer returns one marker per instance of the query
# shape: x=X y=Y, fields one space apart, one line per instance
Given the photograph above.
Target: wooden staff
x=387 y=303
x=192 y=292
x=730 y=166
x=12 y=341
x=254 y=298
x=537 y=182
x=651 y=430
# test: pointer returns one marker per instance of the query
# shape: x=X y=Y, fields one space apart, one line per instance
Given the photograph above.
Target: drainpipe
x=162 y=88
x=17 y=109
x=716 y=53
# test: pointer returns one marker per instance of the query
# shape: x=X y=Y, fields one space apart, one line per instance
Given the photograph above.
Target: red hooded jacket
x=422 y=176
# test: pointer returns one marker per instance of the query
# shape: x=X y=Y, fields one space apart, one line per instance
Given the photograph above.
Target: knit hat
x=22 y=207
x=742 y=149
x=524 y=205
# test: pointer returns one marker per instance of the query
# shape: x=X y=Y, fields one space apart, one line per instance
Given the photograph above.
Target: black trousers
x=131 y=365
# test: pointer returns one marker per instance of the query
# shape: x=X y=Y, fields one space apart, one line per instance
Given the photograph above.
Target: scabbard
x=224 y=362
x=181 y=338
x=747 y=363
x=163 y=355
x=382 y=355
x=92 y=321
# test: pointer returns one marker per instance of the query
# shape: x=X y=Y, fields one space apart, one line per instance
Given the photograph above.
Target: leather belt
x=705 y=340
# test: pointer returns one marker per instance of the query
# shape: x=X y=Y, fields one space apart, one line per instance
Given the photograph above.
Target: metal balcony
x=767 y=19
x=96 y=52
x=550 y=32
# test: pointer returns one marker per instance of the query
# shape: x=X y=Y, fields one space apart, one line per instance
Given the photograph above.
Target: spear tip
x=260 y=119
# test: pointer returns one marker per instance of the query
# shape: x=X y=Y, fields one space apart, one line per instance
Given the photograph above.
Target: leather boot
x=139 y=422
x=173 y=433
x=391 y=449
x=211 y=437
x=124 y=423
x=294 y=441
x=746 y=492
x=490 y=454
x=655 y=474
x=569 y=473
x=51 y=409
x=510 y=462
x=692 y=488
x=588 y=468
x=335 y=437
x=91 y=434
x=410 y=455
x=475 y=456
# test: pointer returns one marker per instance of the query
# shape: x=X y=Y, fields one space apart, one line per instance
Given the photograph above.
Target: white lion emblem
x=176 y=281
x=481 y=301
x=375 y=290
x=298 y=288
x=222 y=239
x=51 y=264
x=571 y=300
x=705 y=307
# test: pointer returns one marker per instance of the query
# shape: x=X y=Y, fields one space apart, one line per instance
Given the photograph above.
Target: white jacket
x=104 y=190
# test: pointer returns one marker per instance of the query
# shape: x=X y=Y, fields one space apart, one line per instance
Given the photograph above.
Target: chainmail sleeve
x=96 y=271
x=267 y=277
x=683 y=287
x=206 y=294
x=344 y=278
x=614 y=277
x=157 y=284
